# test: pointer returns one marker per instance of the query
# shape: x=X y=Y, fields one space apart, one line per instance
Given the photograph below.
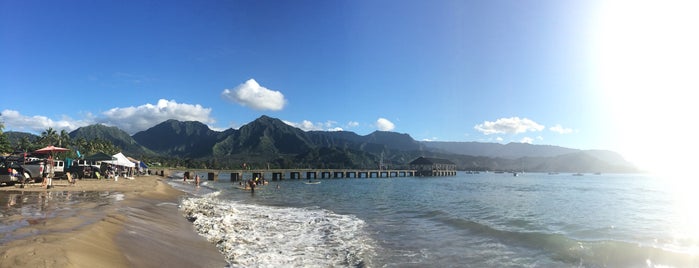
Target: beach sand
x=98 y=223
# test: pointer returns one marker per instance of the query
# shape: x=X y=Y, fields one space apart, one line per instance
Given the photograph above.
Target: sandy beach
x=99 y=223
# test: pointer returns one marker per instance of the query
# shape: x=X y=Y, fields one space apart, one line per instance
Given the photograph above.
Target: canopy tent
x=139 y=164
x=99 y=157
x=121 y=160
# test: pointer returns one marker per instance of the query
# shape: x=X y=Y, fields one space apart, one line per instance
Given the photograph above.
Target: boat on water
x=312 y=182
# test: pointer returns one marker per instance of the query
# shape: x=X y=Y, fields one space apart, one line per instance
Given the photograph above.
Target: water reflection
x=20 y=209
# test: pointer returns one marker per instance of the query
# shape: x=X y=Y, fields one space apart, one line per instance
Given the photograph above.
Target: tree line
x=61 y=139
x=50 y=136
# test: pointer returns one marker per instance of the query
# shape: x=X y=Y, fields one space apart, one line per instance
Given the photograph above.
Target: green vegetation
x=4 y=142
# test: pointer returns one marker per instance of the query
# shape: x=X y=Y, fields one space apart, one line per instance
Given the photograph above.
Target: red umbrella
x=50 y=149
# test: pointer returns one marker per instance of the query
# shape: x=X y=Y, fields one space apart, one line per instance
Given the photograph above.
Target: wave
x=601 y=253
x=264 y=236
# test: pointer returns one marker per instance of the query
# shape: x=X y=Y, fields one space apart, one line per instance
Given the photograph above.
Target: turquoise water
x=469 y=220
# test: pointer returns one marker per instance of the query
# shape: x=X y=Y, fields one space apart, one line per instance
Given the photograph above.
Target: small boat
x=312 y=182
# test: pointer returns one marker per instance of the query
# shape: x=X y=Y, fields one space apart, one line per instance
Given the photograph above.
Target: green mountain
x=189 y=139
x=269 y=142
x=14 y=138
x=115 y=135
x=265 y=136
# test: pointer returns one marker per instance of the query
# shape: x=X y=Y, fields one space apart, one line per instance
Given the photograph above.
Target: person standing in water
x=196 y=179
x=252 y=185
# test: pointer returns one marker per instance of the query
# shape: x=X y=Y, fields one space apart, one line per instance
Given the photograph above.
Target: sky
x=593 y=74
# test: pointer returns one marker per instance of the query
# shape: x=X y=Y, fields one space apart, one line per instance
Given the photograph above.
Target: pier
x=292 y=174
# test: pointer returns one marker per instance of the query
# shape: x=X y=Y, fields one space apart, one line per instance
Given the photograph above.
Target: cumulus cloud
x=307 y=125
x=134 y=119
x=257 y=97
x=560 y=129
x=527 y=140
x=352 y=124
x=512 y=125
x=36 y=124
x=384 y=125
x=130 y=119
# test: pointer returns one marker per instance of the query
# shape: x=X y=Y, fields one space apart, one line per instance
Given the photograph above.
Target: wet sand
x=127 y=223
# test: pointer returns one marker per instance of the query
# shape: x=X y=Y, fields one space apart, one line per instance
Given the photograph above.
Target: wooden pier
x=293 y=174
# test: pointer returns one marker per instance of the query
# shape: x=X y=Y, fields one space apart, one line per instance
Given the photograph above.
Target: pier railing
x=291 y=174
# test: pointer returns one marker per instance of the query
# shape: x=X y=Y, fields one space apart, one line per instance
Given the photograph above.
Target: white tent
x=121 y=160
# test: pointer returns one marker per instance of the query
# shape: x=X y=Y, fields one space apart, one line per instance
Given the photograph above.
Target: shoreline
x=127 y=223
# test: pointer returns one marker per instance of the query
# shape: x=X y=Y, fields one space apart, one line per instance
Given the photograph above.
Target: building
x=425 y=166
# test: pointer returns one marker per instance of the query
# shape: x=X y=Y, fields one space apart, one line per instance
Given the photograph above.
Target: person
x=14 y=174
x=252 y=185
x=48 y=173
x=196 y=179
x=70 y=178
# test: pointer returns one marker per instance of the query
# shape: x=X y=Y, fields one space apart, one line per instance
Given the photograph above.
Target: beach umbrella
x=50 y=150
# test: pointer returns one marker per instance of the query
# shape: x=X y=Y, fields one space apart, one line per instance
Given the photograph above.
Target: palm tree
x=4 y=142
x=82 y=144
x=24 y=144
x=49 y=137
x=64 y=139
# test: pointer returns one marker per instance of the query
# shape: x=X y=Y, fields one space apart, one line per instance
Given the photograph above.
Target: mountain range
x=270 y=142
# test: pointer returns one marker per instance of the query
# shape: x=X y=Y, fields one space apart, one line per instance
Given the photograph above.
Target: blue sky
x=611 y=75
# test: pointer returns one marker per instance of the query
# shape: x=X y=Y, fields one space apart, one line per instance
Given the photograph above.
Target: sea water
x=468 y=220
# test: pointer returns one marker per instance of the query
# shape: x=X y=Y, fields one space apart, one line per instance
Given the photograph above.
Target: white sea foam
x=265 y=236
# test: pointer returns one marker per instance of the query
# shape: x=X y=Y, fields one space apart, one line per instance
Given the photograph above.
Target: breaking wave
x=265 y=236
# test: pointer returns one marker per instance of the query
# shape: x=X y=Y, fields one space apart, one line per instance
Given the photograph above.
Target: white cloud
x=384 y=125
x=257 y=97
x=130 y=119
x=36 y=124
x=134 y=119
x=307 y=125
x=512 y=125
x=352 y=124
x=560 y=129
x=499 y=139
x=527 y=140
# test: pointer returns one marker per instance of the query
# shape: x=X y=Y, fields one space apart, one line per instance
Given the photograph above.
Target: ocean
x=468 y=220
